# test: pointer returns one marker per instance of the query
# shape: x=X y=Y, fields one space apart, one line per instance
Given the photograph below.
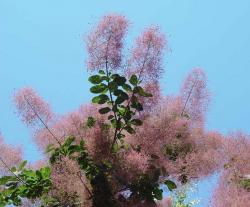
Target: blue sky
x=41 y=45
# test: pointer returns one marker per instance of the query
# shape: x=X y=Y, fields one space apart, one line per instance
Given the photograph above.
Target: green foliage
x=100 y=88
x=121 y=99
x=76 y=152
x=147 y=188
x=134 y=80
x=180 y=198
x=101 y=99
x=175 y=149
x=245 y=183
x=49 y=201
x=141 y=92
x=90 y=122
x=104 y=110
x=170 y=184
x=24 y=183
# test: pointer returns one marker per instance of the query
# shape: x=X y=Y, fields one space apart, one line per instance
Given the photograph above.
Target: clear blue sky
x=41 y=45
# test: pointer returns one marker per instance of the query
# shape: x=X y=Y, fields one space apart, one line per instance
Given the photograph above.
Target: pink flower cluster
x=11 y=156
x=234 y=186
x=146 y=59
x=68 y=182
x=105 y=42
x=31 y=107
x=195 y=96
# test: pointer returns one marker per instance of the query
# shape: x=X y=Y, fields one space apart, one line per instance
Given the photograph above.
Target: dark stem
x=110 y=94
x=7 y=167
x=85 y=186
x=128 y=104
x=112 y=102
x=189 y=95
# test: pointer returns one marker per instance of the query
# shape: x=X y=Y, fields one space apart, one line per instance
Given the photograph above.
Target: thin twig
x=86 y=187
x=6 y=166
x=189 y=95
x=41 y=120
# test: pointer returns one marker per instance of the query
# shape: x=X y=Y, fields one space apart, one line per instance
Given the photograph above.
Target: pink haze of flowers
x=12 y=156
x=232 y=190
x=173 y=128
x=105 y=42
x=29 y=105
x=146 y=58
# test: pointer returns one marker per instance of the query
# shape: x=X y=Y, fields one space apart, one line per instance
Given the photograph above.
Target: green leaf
x=98 y=88
x=141 y=92
x=22 y=165
x=120 y=136
x=101 y=99
x=45 y=171
x=115 y=75
x=113 y=122
x=49 y=148
x=101 y=72
x=95 y=79
x=128 y=115
x=170 y=184
x=69 y=141
x=39 y=174
x=105 y=126
x=115 y=148
x=122 y=111
x=129 y=129
x=113 y=86
x=5 y=179
x=114 y=108
x=137 y=122
x=122 y=96
x=104 y=110
x=120 y=99
x=118 y=92
x=95 y=99
x=90 y=122
x=157 y=193
x=110 y=117
x=133 y=80
x=137 y=106
x=245 y=183
x=127 y=87
x=120 y=80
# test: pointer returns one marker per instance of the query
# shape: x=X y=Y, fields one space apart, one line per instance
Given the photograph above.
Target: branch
x=189 y=95
x=41 y=120
x=8 y=168
x=85 y=186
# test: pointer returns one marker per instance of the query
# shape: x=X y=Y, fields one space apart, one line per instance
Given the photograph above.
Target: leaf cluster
x=76 y=152
x=121 y=99
x=24 y=183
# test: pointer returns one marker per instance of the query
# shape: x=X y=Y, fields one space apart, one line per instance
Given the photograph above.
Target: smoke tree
x=121 y=149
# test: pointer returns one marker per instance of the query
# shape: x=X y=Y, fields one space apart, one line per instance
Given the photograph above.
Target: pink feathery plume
x=9 y=156
x=195 y=95
x=105 y=42
x=32 y=109
x=146 y=59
